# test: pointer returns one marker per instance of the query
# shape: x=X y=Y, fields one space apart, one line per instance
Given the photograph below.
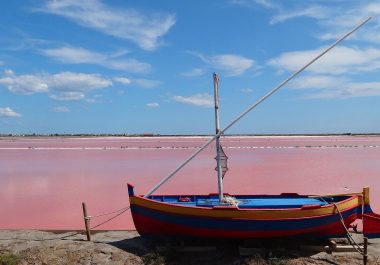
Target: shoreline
x=127 y=247
x=170 y=136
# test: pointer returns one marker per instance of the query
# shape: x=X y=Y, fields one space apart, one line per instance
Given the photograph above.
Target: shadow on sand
x=214 y=251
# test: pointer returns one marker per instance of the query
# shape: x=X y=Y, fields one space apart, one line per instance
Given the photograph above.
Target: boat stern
x=131 y=192
x=371 y=225
x=371 y=220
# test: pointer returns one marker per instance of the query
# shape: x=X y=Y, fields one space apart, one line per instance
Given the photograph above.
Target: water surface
x=44 y=181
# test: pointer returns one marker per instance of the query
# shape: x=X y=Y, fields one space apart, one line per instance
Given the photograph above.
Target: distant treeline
x=173 y=135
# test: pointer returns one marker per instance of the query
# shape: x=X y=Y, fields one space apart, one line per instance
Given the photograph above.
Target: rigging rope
x=270 y=93
x=350 y=239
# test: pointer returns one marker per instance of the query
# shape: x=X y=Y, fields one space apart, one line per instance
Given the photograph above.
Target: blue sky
x=146 y=66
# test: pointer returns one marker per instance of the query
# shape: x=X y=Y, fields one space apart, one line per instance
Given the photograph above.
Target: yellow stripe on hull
x=259 y=214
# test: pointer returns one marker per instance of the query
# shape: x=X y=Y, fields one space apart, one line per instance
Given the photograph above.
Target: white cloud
x=72 y=86
x=284 y=12
x=69 y=95
x=122 y=80
x=247 y=90
x=8 y=112
x=327 y=86
x=334 y=17
x=339 y=60
x=23 y=84
x=61 y=86
x=22 y=42
x=78 y=55
x=130 y=65
x=8 y=72
x=317 y=12
x=341 y=22
x=153 y=105
x=372 y=9
x=194 y=72
x=61 y=109
x=200 y=100
x=253 y=3
x=92 y=100
x=318 y=82
x=74 y=55
x=146 y=83
x=70 y=80
x=364 y=89
x=349 y=90
x=145 y=30
x=231 y=64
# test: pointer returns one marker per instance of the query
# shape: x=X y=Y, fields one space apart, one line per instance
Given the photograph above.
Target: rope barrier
x=120 y=212
x=117 y=215
x=104 y=214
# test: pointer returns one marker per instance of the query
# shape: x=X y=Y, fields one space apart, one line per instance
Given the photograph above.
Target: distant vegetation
x=174 y=135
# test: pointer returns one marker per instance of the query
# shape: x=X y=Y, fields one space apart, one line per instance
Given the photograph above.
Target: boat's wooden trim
x=336 y=195
x=364 y=194
x=259 y=214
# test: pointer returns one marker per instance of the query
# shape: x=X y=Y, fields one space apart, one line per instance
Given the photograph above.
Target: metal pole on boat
x=191 y=157
x=217 y=139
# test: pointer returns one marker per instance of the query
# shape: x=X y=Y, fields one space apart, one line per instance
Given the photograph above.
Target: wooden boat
x=250 y=216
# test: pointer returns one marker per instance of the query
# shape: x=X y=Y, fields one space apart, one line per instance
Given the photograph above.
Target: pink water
x=44 y=181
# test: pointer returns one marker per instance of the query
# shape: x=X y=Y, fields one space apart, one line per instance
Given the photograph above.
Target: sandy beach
x=127 y=247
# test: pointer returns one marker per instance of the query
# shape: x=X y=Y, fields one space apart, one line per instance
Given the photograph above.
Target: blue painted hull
x=286 y=215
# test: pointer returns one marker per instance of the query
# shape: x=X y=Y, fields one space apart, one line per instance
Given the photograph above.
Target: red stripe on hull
x=371 y=224
x=153 y=227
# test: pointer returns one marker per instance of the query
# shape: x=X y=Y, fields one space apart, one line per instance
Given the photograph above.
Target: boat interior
x=282 y=201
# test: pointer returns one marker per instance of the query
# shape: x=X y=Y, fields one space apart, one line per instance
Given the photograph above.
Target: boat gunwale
x=303 y=217
x=263 y=213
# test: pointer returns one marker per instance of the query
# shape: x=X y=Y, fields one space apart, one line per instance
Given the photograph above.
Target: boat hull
x=161 y=219
x=152 y=223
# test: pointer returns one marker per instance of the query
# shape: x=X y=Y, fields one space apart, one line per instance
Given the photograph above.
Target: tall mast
x=254 y=105
x=217 y=139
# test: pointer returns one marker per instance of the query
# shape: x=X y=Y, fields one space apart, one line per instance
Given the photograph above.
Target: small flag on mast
x=223 y=161
x=216 y=78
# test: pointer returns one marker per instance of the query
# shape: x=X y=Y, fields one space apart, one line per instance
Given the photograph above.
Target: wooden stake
x=365 y=256
x=86 y=221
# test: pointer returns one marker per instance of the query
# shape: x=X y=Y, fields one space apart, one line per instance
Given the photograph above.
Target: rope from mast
x=217 y=135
